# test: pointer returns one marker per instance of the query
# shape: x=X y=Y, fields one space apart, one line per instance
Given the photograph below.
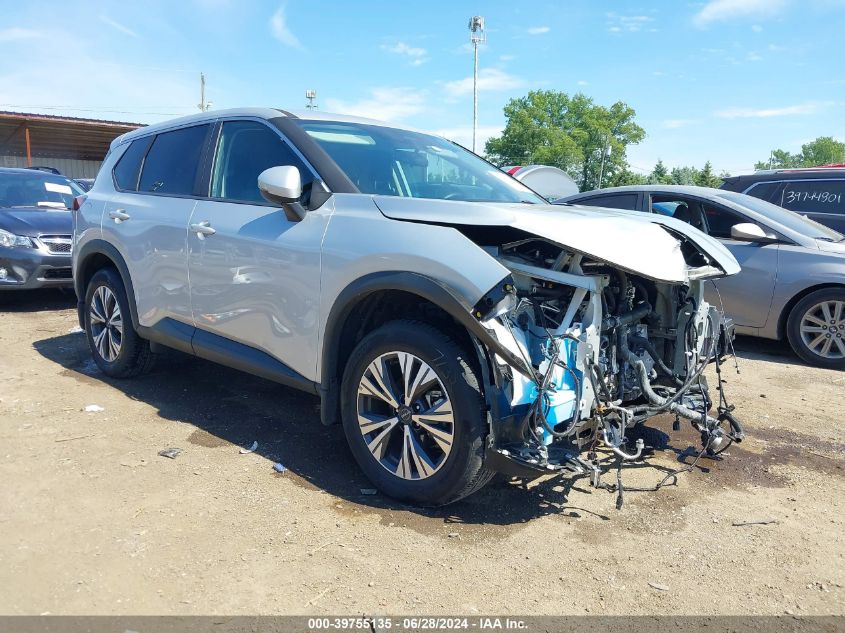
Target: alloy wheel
x=822 y=329
x=405 y=415
x=106 y=323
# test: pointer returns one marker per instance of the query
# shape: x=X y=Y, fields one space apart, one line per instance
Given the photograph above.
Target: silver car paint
x=772 y=274
x=202 y=282
x=615 y=237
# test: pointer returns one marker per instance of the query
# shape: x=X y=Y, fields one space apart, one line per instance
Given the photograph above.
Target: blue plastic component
x=562 y=397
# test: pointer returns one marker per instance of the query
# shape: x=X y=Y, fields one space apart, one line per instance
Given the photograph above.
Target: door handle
x=119 y=215
x=202 y=229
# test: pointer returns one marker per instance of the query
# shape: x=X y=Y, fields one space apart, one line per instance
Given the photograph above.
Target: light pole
x=203 y=105
x=476 y=37
x=311 y=95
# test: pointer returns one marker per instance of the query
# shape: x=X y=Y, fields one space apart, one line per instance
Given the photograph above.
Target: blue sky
x=718 y=80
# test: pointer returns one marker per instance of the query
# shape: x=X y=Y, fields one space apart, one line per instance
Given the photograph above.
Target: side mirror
x=282 y=185
x=750 y=232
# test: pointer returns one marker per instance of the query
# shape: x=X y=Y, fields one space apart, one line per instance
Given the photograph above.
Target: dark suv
x=818 y=193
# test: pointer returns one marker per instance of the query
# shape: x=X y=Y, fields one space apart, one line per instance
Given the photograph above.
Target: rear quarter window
x=768 y=191
x=814 y=196
x=128 y=168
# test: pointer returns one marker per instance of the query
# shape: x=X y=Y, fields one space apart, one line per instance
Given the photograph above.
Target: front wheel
x=816 y=328
x=413 y=414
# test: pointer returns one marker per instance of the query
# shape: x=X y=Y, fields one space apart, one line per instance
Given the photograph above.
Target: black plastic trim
x=410 y=282
x=329 y=172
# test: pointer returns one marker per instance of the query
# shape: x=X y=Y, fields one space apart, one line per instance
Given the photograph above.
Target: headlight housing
x=10 y=240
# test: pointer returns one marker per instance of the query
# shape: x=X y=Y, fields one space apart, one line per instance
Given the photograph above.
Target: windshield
x=798 y=223
x=393 y=162
x=20 y=189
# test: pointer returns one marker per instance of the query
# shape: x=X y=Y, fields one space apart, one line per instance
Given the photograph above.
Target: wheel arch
x=374 y=299
x=96 y=255
x=787 y=309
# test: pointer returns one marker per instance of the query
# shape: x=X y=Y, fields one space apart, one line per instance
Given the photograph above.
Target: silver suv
x=454 y=322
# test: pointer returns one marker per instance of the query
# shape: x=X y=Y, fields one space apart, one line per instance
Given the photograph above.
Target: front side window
x=35 y=189
x=245 y=149
x=720 y=220
x=393 y=162
x=814 y=196
x=173 y=160
x=128 y=168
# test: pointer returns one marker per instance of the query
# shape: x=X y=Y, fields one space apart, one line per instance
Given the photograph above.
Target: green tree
x=822 y=151
x=586 y=140
x=684 y=175
x=660 y=175
x=706 y=177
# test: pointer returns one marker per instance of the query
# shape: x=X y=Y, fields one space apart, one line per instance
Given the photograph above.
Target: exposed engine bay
x=594 y=351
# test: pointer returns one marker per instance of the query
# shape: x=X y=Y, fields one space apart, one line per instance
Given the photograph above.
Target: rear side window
x=627 y=201
x=768 y=191
x=128 y=168
x=173 y=160
x=814 y=196
x=245 y=149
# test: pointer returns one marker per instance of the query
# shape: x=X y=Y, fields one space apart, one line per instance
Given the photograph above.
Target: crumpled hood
x=634 y=241
x=35 y=221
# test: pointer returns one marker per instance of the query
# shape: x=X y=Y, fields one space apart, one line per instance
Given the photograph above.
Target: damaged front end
x=583 y=351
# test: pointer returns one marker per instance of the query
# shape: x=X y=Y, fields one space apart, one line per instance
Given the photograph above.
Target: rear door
x=746 y=296
x=156 y=182
x=820 y=199
x=255 y=281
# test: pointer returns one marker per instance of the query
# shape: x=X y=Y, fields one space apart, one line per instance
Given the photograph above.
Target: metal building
x=74 y=146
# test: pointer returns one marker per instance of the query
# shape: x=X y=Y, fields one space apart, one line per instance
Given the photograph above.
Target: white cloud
x=538 y=30
x=721 y=10
x=674 y=124
x=489 y=80
x=754 y=57
x=764 y=113
x=507 y=58
x=617 y=23
x=118 y=26
x=417 y=56
x=16 y=34
x=463 y=135
x=384 y=104
x=756 y=28
x=581 y=82
x=280 y=30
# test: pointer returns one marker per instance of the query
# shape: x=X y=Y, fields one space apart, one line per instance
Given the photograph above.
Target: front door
x=746 y=296
x=255 y=275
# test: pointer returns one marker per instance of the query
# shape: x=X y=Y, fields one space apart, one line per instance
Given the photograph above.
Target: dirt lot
x=93 y=521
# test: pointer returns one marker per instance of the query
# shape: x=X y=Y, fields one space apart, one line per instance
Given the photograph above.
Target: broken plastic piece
x=278 y=467
x=251 y=449
x=93 y=408
x=172 y=453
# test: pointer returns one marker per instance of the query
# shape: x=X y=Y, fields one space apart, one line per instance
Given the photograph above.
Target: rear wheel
x=118 y=351
x=816 y=328
x=413 y=414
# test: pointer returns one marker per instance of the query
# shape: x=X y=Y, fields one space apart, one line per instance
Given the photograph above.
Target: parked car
x=453 y=321
x=35 y=229
x=792 y=283
x=818 y=193
x=550 y=182
x=84 y=183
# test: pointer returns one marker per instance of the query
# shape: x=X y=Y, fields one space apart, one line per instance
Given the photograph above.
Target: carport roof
x=53 y=136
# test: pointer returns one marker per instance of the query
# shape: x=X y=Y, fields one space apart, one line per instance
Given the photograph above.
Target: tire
x=117 y=349
x=424 y=460
x=816 y=328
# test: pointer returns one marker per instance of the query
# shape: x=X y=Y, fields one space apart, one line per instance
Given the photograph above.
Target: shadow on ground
x=37 y=300
x=227 y=407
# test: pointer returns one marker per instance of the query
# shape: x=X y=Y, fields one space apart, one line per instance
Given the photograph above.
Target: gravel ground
x=94 y=521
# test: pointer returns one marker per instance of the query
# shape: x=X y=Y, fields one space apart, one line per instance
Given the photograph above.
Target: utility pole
x=476 y=36
x=311 y=95
x=203 y=105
